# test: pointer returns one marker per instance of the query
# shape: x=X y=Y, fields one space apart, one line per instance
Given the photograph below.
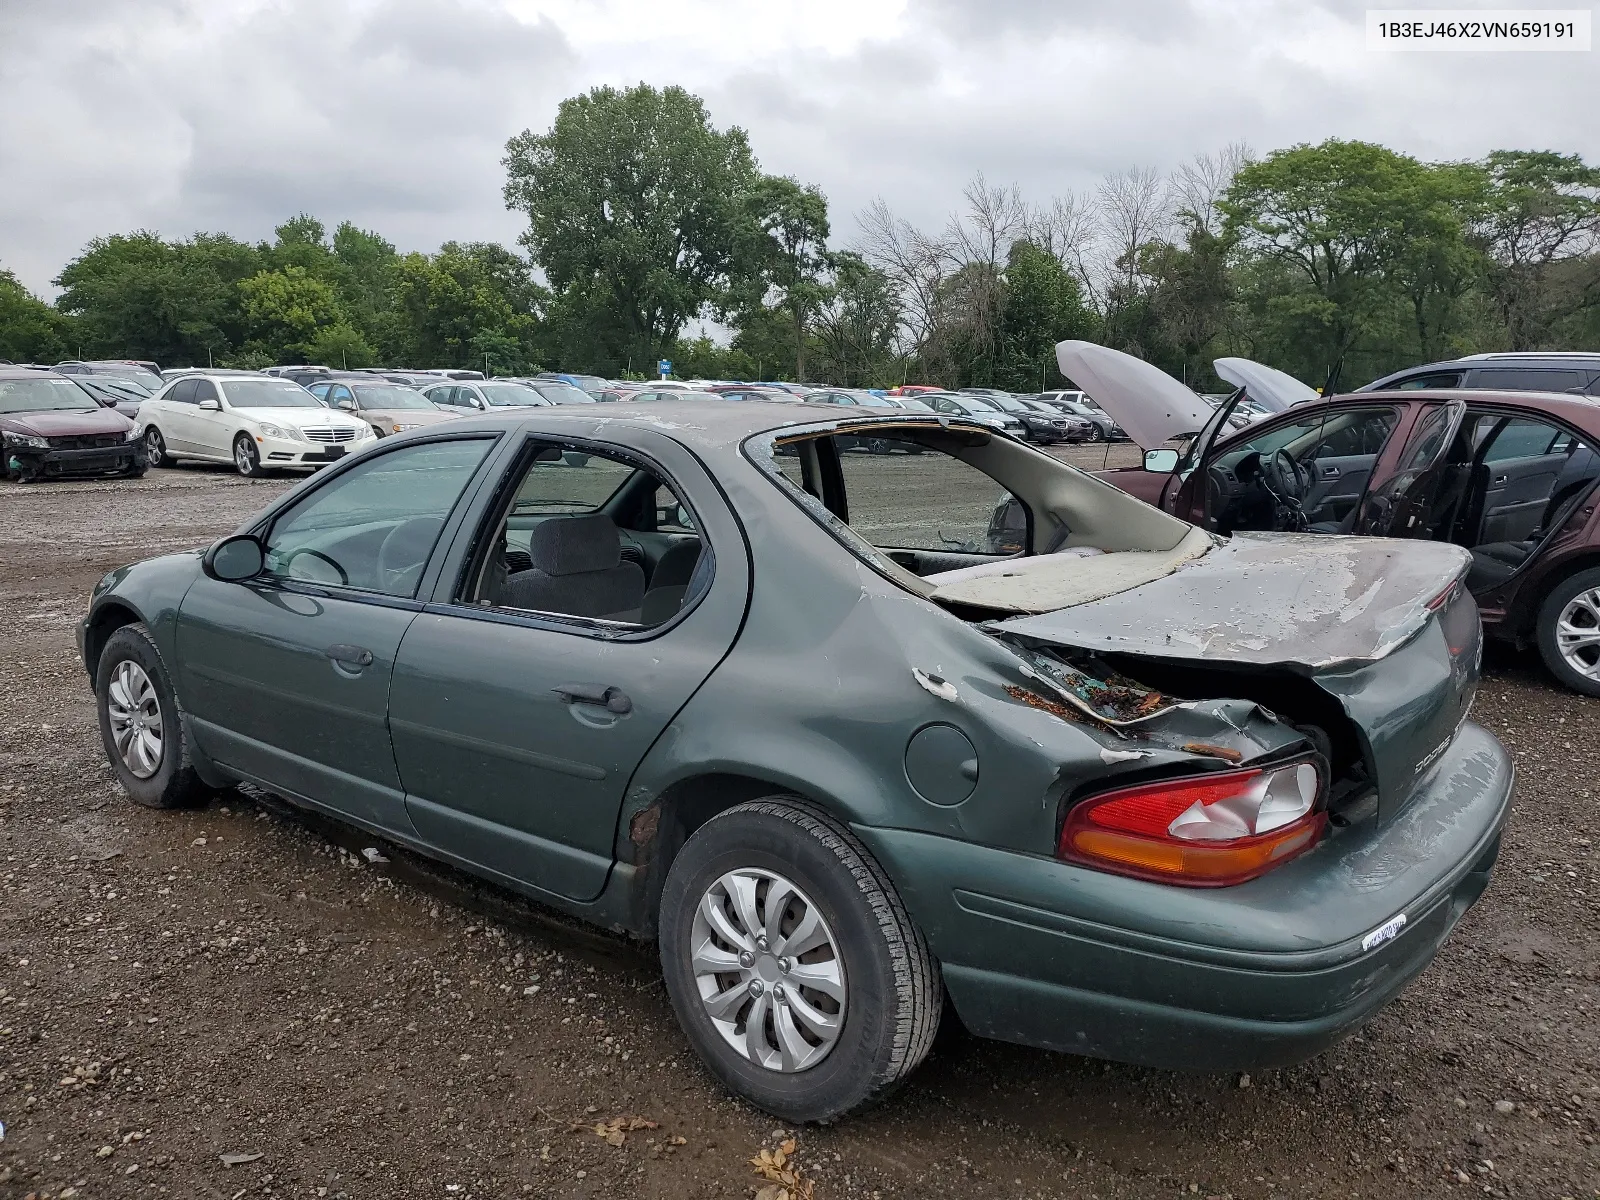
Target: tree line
x=644 y=218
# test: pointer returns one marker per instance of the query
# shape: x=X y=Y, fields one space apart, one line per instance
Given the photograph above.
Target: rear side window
x=1439 y=379
x=1527 y=379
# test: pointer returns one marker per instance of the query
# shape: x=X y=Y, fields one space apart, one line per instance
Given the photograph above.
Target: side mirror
x=348 y=405
x=235 y=559
x=210 y=406
x=479 y=403
x=1161 y=462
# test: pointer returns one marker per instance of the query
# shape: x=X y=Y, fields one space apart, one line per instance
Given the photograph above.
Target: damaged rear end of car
x=1238 y=802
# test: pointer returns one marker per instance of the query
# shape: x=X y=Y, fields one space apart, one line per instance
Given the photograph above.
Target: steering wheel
x=288 y=566
x=1293 y=483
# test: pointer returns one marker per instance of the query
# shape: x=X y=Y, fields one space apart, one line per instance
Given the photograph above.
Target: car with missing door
x=691 y=672
x=1510 y=477
x=258 y=423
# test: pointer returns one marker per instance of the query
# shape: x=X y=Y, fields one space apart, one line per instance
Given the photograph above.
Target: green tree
x=468 y=301
x=289 y=312
x=1340 y=216
x=857 y=327
x=30 y=329
x=1540 y=210
x=784 y=257
x=137 y=296
x=1041 y=304
x=633 y=202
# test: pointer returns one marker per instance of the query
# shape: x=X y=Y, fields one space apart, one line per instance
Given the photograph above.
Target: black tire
x=894 y=992
x=174 y=784
x=1095 y=434
x=1548 y=621
x=246 y=458
x=155 y=448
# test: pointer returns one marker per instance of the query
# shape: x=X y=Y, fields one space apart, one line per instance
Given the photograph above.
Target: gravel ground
x=230 y=1003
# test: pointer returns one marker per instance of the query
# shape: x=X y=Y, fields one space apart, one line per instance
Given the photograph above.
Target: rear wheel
x=791 y=963
x=246 y=457
x=140 y=723
x=155 y=448
x=1569 y=632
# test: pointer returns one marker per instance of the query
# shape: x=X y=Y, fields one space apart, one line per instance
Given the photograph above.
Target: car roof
x=1554 y=359
x=695 y=423
x=1581 y=411
x=25 y=372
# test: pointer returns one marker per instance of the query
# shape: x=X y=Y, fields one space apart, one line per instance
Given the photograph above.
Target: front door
x=287 y=676
x=557 y=653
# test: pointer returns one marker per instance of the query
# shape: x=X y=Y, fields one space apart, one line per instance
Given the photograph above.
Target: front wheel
x=1569 y=632
x=791 y=963
x=155 y=448
x=140 y=724
x=246 y=457
x=1095 y=434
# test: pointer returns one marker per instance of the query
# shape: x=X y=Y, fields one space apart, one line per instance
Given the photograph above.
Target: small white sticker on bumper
x=1384 y=932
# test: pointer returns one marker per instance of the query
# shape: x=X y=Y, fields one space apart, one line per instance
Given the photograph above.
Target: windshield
x=43 y=395
x=511 y=395
x=267 y=393
x=391 y=398
x=563 y=393
x=1008 y=403
x=973 y=404
x=868 y=400
x=591 y=383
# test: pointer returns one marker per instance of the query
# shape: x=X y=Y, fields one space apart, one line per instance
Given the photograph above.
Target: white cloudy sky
x=230 y=115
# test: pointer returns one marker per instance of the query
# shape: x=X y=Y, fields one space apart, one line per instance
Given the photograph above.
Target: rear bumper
x=1264 y=974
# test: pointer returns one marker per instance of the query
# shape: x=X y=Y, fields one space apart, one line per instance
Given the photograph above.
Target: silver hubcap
x=1578 y=633
x=135 y=714
x=153 y=444
x=769 y=970
x=241 y=456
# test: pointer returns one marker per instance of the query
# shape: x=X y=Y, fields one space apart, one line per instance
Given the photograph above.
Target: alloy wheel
x=244 y=457
x=155 y=449
x=1578 y=633
x=769 y=970
x=135 y=713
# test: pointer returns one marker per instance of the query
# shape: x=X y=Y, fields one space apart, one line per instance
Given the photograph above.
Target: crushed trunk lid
x=1309 y=601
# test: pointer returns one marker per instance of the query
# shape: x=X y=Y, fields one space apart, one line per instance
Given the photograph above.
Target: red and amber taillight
x=1203 y=831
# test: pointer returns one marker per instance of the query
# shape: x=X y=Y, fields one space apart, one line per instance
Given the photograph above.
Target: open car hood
x=1150 y=405
x=1272 y=389
x=1308 y=601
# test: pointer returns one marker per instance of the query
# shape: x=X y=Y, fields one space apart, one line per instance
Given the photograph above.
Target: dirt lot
x=184 y=991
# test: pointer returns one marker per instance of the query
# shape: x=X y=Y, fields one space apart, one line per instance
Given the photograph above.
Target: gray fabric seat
x=577 y=570
x=670 y=583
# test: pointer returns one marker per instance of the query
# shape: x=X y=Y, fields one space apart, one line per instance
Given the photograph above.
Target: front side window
x=1445 y=379
x=204 y=390
x=591 y=536
x=373 y=527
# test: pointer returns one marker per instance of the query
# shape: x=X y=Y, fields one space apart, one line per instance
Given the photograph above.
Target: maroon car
x=51 y=428
x=1509 y=476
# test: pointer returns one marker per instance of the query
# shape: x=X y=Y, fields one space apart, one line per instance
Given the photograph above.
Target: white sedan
x=256 y=423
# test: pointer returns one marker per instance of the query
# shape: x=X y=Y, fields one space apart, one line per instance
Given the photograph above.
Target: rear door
x=211 y=428
x=1523 y=461
x=518 y=722
x=174 y=416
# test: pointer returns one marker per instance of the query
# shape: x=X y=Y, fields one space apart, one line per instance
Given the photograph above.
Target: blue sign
x=665 y=367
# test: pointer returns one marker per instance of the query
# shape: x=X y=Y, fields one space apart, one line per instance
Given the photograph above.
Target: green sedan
x=1125 y=789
